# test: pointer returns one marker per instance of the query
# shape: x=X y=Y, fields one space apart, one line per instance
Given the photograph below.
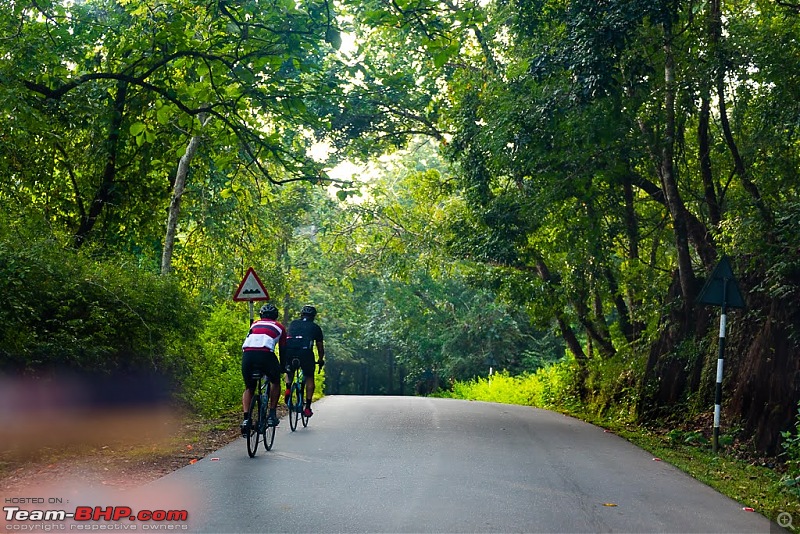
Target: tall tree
x=586 y=152
x=136 y=76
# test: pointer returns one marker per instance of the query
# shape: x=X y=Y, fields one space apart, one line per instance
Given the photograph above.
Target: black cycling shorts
x=306 y=357
x=260 y=360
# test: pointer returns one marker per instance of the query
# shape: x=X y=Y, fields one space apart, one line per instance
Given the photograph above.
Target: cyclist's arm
x=281 y=346
x=320 y=354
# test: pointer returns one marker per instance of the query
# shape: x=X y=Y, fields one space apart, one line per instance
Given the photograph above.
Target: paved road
x=411 y=464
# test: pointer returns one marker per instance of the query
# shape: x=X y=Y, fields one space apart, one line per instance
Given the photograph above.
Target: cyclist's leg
x=248 y=361
x=307 y=363
x=286 y=360
x=273 y=371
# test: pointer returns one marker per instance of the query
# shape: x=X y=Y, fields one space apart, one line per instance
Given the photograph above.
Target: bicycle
x=257 y=414
x=295 y=403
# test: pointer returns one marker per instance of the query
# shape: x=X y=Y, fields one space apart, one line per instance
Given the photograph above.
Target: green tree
x=589 y=174
x=132 y=81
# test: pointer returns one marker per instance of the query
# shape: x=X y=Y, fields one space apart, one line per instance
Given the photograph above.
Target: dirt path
x=121 y=460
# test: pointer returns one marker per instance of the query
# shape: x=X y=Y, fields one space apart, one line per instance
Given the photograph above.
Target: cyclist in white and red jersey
x=258 y=354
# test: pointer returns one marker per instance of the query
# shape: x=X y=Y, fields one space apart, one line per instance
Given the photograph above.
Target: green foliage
x=613 y=386
x=691 y=437
x=415 y=313
x=605 y=388
x=215 y=384
x=500 y=387
x=551 y=387
x=110 y=92
x=542 y=350
x=62 y=310
x=467 y=332
x=319 y=383
x=791 y=452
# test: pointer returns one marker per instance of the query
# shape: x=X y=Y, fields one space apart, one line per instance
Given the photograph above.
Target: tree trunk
x=763 y=363
x=738 y=162
x=697 y=232
x=619 y=303
x=570 y=338
x=177 y=194
x=669 y=182
x=103 y=194
x=632 y=232
x=631 y=224
x=567 y=333
x=709 y=190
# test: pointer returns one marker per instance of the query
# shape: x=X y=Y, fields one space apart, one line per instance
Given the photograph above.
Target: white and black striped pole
x=723 y=319
x=715 y=293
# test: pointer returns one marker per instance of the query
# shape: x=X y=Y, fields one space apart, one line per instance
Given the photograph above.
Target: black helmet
x=268 y=311
x=308 y=311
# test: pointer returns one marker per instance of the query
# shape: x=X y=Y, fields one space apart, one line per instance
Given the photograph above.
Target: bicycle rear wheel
x=295 y=406
x=268 y=430
x=269 y=435
x=254 y=414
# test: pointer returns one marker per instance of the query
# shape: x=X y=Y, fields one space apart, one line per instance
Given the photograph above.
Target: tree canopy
x=542 y=180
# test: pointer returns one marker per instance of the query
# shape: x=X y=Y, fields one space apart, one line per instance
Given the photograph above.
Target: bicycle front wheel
x=254 y=414
x=295 y=406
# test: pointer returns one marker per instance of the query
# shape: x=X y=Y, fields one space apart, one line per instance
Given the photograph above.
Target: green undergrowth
x=757 y=483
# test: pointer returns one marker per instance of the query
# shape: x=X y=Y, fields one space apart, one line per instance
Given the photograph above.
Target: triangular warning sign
x=251 y=288
x=721 y=287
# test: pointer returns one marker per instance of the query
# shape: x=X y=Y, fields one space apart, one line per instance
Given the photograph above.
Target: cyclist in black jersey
x=302 y=336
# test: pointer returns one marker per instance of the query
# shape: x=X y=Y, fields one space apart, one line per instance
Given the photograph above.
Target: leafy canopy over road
x=565 y=177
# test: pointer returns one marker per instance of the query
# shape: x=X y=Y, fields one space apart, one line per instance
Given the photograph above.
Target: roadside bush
x=612 y=386
x=60 y=310
x=215 y=385
x=560 y=386
x=554 y=386
x=319 y=384
x=500 y=387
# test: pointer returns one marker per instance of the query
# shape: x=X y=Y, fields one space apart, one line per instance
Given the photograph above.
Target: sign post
x=250 y=289
x=721 y=289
